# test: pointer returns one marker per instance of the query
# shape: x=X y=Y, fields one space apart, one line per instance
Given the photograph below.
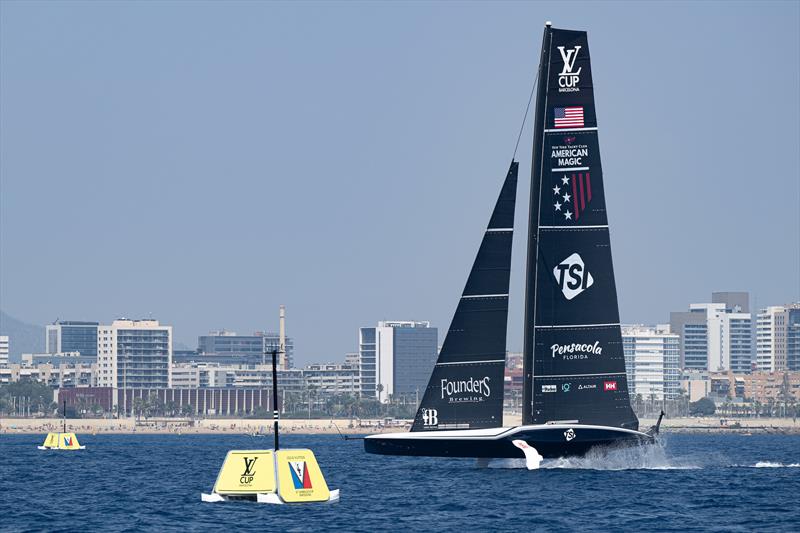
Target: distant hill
x=23 y=338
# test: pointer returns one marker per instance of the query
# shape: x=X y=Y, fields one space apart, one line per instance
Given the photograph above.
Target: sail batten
x=574 y=360
x=466 y=387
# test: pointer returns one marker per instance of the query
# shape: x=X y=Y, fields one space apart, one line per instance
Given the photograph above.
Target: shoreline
x=328 y=426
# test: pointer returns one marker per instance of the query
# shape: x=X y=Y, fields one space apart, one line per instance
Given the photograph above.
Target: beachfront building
x=134 y=354
x=72 y=336
x=396 y=359
x=715 y=336
x=331 y=379
x=4 y=346
x=228 y=347
x=778 y=338
x=65 y=374
x=651 y=361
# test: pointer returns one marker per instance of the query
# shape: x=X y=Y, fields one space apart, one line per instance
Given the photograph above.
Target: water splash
x=768 y=464
x=635 y=458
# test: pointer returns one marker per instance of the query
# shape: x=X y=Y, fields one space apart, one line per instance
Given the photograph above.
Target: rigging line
x=525 y=117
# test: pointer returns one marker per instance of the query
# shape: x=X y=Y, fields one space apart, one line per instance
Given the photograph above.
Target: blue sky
x=205 y=162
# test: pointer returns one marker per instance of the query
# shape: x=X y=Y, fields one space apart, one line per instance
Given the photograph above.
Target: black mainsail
x=466 y=388
x=575 y=392
x=574 y=363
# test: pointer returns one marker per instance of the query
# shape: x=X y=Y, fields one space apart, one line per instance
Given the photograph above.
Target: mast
x=537 y=162
x=275 y=395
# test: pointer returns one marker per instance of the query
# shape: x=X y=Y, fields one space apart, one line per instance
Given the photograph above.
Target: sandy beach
x=352 y=427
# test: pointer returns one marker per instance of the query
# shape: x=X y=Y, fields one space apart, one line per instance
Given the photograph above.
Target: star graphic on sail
x=577 y=195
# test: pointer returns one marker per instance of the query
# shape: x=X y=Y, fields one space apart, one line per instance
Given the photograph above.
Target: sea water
x=153 y=483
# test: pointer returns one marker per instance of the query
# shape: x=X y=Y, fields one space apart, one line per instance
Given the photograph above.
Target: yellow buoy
x=288 y=476
x=272 y=476
x=61 y=441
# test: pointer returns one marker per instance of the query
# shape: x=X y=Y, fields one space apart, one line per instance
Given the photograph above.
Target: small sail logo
x=569 y=434
x=300 y=478
x=430 y=417
x=572 y=276
x=569 y=78
x=67 y=441
x=609 y=385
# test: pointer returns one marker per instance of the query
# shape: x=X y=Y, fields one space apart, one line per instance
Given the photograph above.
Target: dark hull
x=549 y=441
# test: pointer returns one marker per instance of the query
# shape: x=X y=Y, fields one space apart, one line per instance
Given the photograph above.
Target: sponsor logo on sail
x=565 y=387
x=572 y=276
x=466 y=390
x=430 y=417
x=609 y=385
x=569 y=78
x=249 y=471
x=576 y=350
x=569 y=434
x=300 y=477
x=585 y=386
x=549 y=388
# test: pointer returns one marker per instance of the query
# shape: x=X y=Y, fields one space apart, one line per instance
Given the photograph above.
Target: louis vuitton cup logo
x=569 y=78
x=572 y=276
x=249 y=471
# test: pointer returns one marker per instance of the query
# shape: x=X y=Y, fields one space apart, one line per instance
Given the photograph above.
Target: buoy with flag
x=277 y=476
x=62 y=440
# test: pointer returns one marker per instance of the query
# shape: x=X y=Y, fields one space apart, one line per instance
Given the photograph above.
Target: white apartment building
x=652 y=361
x=4 y=344
x=134 y=354
x=333 y=378
x=778 y=338
x=717 y=336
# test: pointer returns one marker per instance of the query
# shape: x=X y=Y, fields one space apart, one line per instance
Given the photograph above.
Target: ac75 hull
x=551 y=441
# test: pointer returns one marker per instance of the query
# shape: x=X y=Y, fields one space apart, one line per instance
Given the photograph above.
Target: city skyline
x=173 y=170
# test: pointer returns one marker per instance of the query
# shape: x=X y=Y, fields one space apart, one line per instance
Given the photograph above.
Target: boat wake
x=638 y=458
x=769 y=464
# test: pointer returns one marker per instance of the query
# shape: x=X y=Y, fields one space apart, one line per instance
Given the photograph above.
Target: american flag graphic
x=573 y=192
x=581 y=185
x=569 y=117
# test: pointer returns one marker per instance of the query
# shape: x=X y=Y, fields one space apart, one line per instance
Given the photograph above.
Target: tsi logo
x=430 y=417
x=572 y=276
x=568 y=78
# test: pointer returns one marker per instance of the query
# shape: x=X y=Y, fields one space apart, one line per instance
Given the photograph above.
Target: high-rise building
x=651 y=361
x=778 y=338
x=4 y=345
x=396 y=359
x=134 y=354
x=716 y=336
x=72 y=336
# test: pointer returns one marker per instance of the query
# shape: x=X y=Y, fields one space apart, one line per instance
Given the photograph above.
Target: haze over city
x=203 y=165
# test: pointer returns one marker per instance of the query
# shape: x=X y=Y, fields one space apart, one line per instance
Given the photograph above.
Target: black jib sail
x=574 y=361
x=466 y=388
